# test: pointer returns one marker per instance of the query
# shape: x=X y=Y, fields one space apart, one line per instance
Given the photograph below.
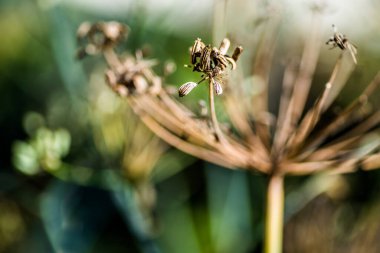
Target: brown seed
x=186 y=88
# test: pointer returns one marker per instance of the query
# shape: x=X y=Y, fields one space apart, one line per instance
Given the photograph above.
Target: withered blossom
x=294 y=142
x=296 y=145
x=212 y=62
x=99 y=36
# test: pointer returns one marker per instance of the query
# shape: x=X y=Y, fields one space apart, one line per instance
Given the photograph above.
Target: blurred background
x=79 y=173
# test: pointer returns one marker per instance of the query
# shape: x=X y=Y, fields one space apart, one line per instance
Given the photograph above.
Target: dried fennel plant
x=298 y=143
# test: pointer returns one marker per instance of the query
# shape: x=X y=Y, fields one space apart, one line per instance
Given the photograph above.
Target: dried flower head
x=128 y=75
x=212 y=62
x=293 y=142
x=341 y=41
x=99 y=36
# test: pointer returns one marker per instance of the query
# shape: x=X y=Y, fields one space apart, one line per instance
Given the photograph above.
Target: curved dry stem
x=111 y=58
x=197 y=151
x=350 y=114
x=301 y=88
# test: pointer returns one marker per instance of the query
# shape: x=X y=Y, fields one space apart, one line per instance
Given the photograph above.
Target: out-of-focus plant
x=12 y=226
x=130 y=150
x=43 y=151
x=296 y=142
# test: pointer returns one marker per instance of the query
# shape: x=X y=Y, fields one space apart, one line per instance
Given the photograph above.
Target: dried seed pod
x=217 y=87
x=99 y=36
x=219 y=59
x=83 y=30
x=205 y=62
x=186 y=88
x=140 y=83
x=237 y=52
x=114 y=31
x=224 y=46
x=196 y=50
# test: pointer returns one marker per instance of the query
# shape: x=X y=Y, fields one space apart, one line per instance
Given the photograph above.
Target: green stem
x=275 y=214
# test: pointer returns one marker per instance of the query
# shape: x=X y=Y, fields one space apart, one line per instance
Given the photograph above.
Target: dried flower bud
x=114 y=31
x=91 y=49
x=140 y=83
x=83 y=30
x=237 y=52
x=224 y=45
x=98 y=36
x=186 y=88
x=217 y=87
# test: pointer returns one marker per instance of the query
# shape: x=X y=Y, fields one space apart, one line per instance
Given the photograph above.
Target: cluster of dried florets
x=212 y=62
x=98 y=36
x=130 y=75
x=133 y=75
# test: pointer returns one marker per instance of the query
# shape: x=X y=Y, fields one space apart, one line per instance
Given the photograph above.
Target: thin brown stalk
x=346 y=67
x=112 y=58
x=177 y=108
x=362 y=127
x=371 y=162
x=302 y=84
x=261 y=70
x=240 y=121
x=305 y=168
x=230 y=148
x=182 y=128
x=287 y=88
x=333 y=150
x=308 y=122
x=349 y=161
x=197 y=151
x=313 y=116
x=350 y=114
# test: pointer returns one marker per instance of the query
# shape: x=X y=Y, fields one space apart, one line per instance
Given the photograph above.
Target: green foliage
x=43 y=151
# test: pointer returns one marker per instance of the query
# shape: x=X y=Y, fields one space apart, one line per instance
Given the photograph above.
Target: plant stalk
x=274 y=214
x=214 y=120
